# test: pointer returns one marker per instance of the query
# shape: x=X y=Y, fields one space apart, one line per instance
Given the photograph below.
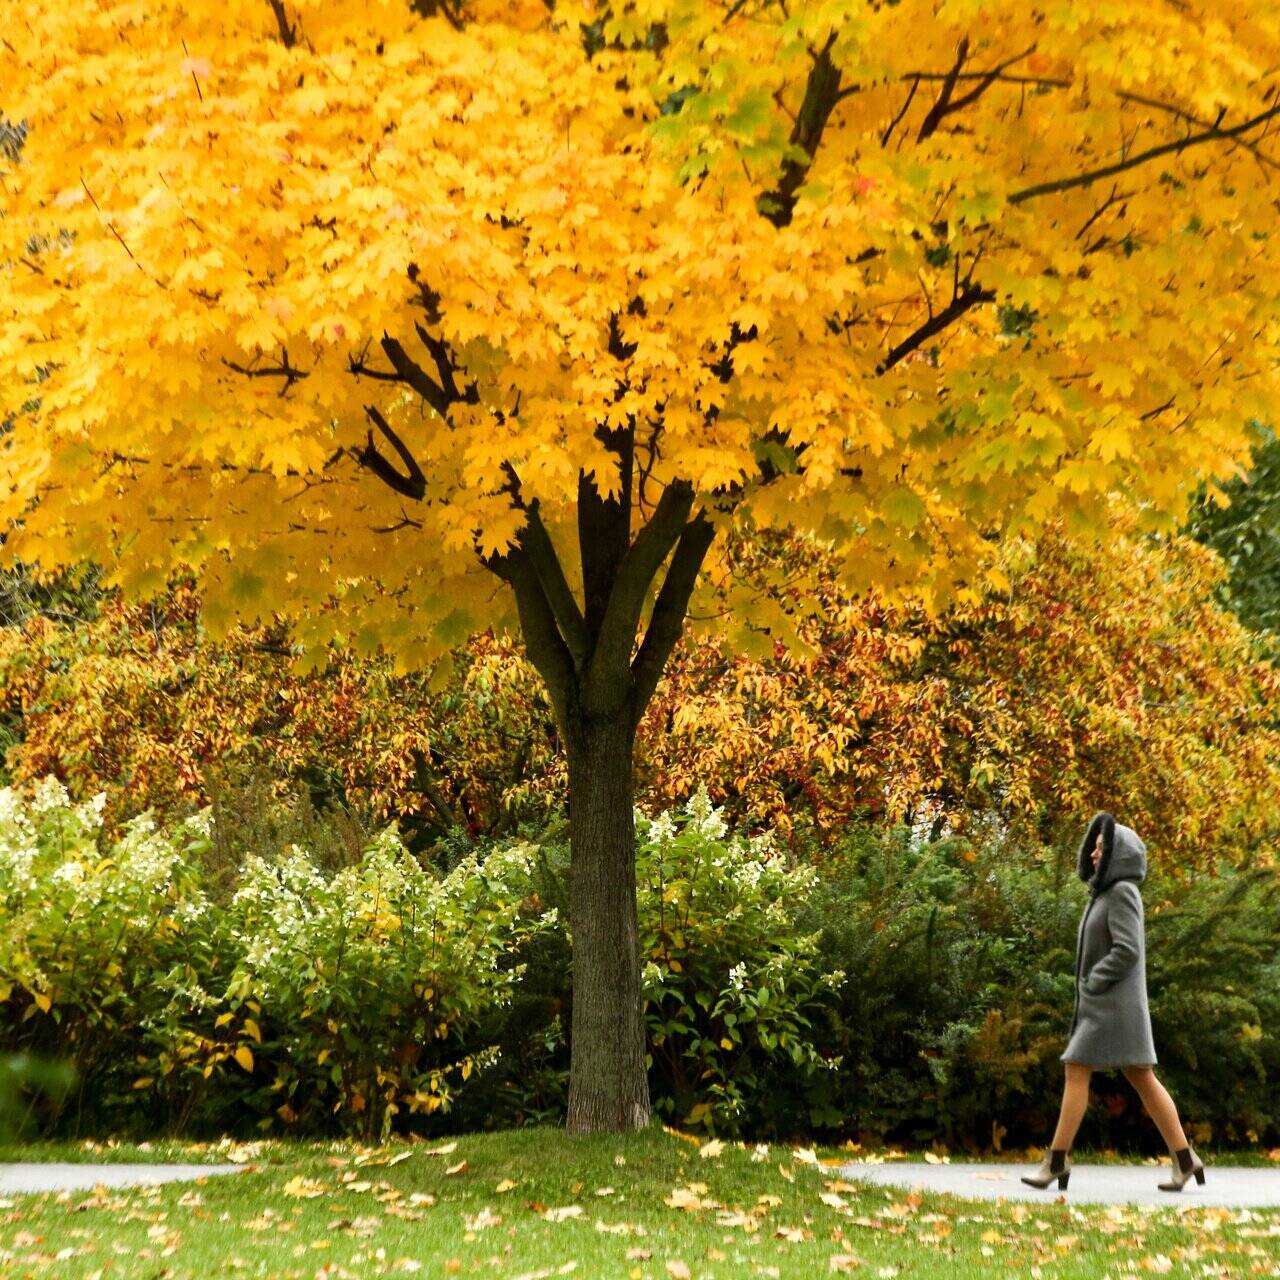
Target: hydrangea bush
x=306 y=1001
x=733 y=989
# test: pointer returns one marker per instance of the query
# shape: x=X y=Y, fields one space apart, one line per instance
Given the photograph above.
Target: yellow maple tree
x=397 y=319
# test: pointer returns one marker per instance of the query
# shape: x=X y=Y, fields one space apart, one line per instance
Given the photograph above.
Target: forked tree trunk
x=608 y=1082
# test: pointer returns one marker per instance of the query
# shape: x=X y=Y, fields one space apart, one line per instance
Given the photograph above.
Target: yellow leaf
x=222 y=1019
x=142 y=1082
x=244 y=1056
x=251 y=1029
x=43 y=1003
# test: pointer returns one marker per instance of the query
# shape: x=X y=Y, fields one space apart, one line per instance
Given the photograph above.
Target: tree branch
x=969 y=296
x=555 y=586
x=607 y=678
x=940 y=107
x=821 y=94
x=413 y=375
x=1132 y=162
x=542 y=639
x=670 y=609
x=411 y=485
x=288 y=34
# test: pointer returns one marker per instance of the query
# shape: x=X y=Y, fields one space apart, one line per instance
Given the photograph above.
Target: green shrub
x=900 y=988
x=307 y=1001
x=961 y=957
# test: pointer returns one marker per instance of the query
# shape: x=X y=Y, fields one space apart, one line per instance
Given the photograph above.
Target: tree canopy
x=329 y=299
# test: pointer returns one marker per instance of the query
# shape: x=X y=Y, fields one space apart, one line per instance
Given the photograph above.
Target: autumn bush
x=1103 y=676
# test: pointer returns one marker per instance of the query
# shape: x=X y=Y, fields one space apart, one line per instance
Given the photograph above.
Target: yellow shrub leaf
x=244 y=1056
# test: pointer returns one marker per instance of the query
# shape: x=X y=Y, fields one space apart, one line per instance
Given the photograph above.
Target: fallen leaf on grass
x=793 y=1235
x=689 y=1198
x=838 y=1184
x=833 y=1200
x=932 y=1157
x=447 y=1150
x=844 y=1262
x=563 y=1213
x=806 y=1155
x=678 y=1270
x=460 y=1167
x=505 y=1185
x=709 y=1150
x=482 y=1220
x=303 y=1188
x=638 y=1254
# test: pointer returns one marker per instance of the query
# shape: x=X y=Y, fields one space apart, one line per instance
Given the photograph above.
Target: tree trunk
x=608 y=1083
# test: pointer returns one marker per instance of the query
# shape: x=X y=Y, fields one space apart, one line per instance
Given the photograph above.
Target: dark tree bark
x=608 y=1083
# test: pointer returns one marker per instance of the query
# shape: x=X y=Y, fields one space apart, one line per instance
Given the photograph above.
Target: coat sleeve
x=1124 y=921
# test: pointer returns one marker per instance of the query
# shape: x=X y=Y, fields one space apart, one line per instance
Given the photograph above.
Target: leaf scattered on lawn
x=678 y=1270
x=806 y=1155
x=605 y=1191
x=690 y=1198
x=483 y=1219
x=447 y=1150
x=505 y=1185
x=761 y=1153
x=303 y=1188
x=460 y=1167
x=844 y=1262
x=563 y=1213
x=709 y=1150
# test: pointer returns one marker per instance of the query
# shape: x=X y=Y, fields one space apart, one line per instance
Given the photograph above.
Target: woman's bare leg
x=1075 y=1098
x=1155 y=1097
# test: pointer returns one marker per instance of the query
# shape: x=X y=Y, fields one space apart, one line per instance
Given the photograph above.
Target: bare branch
x=821 y=94
x=670 y=609
x=1211 y=134
x=968 y=297
x=288 y=34
x=411 y=485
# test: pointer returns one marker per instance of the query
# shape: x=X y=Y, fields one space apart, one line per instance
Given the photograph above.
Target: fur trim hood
x=1124 y=856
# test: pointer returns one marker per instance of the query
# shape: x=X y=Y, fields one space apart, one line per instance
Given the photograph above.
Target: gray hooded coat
x=1111 y=1026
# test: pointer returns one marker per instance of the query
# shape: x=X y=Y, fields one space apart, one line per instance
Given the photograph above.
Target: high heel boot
x=1186 y=1164
x=1056 y=1164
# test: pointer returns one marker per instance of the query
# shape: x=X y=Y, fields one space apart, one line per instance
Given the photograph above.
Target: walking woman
x=1111 y=1026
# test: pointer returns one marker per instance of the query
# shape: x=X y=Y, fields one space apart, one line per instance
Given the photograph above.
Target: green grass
x=337 y=1210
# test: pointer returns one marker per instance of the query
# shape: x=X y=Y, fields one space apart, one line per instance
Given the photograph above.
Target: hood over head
x=1124 y=856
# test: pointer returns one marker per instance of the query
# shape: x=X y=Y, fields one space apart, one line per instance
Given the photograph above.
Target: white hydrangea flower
x=48 y=794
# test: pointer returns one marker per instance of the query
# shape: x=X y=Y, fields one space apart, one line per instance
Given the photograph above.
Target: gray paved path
x=83 y=1177
x=1224 y=1187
